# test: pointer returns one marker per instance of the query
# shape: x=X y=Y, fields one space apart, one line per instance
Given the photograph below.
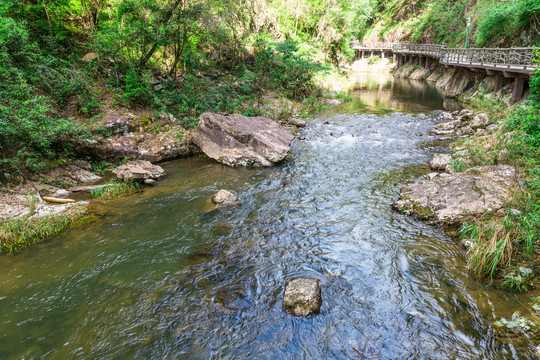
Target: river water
x=157 y=277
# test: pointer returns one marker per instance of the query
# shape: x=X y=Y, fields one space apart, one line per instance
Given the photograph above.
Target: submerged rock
x=139 y=170
x=456 y=197
x=237 y=140
x=225 y=198
x=302 y=297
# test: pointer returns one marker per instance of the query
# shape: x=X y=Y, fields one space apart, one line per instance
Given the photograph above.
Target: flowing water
x=157 y=277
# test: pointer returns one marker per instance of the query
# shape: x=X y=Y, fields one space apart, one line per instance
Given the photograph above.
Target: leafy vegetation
x=183 y=57
x=502 y=244
x=494 y=23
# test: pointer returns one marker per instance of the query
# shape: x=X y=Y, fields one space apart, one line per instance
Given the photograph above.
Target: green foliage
x=506 y=20
x=515 y=239
x=519 y=279
x=494 y=23
x=374 y=59
x=30 y=134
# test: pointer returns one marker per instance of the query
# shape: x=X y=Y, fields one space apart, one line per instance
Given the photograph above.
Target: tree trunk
x=166 y=18
x=48 y=17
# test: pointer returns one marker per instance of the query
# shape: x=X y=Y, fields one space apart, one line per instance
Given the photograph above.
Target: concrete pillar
x=382 y=54
x=411 y=59
x=363 y=54
x=394 y=58
x=518 y=89
x=499 y=82
x=426 y=64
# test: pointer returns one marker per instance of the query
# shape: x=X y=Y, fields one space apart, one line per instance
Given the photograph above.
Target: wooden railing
x=510 y=58
x=356 y=45
x=497 y=58
x=420 y=49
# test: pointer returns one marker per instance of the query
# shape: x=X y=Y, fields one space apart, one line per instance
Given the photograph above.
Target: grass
x=503 y=244
x=492 y=248
x=115 y=189
x=19 y=233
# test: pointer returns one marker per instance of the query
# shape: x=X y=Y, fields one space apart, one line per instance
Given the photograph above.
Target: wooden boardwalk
x=515 y=63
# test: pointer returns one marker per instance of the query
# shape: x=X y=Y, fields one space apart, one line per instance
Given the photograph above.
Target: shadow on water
x=157 y=277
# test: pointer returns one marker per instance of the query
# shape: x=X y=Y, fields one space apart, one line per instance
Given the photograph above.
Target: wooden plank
x=58 y=200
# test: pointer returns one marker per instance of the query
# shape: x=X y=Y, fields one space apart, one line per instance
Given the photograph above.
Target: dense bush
x=30 y=136
x=507 y=20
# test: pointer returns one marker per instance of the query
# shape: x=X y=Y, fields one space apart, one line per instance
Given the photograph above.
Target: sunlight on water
x=157 y=277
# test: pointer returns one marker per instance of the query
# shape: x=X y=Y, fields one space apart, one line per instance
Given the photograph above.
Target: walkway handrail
x=511 y=58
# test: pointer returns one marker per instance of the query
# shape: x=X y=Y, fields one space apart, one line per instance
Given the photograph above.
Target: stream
x=157 y=277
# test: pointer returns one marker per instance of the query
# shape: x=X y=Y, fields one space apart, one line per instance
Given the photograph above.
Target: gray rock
x=480 y=120
x=138 y=170
x=149 y=181
x=334 y=102
x=225 y=198
x=155 y=147
x=302 y=297
x=446 y=116
x=491 y=127
x=237 y=140
x=119 y=126
x=297 y=122
x=432 y=175
x=91 y=56
x=72 y=174
x=466 y=114
x=480 y=132
x=85 y=165
x=449 y=125
x=453 y=198
x=440 y=161
x=61 y=193
x=465 y=131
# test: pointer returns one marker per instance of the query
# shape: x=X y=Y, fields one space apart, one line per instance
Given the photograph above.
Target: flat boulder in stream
x=237 y=140
x=454 y=198
x=302 y=297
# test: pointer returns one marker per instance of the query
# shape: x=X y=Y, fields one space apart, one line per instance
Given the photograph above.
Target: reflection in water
x=383 y=94
x=157 y=277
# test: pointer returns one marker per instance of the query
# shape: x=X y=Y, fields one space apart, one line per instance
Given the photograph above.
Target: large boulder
x=139 y=170
x=155 y=146
x=237 y=140
x=70 y=175
x=302 y=297
x=456 y=197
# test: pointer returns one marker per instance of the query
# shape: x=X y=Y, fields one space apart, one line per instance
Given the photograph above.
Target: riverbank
x=497 y=215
